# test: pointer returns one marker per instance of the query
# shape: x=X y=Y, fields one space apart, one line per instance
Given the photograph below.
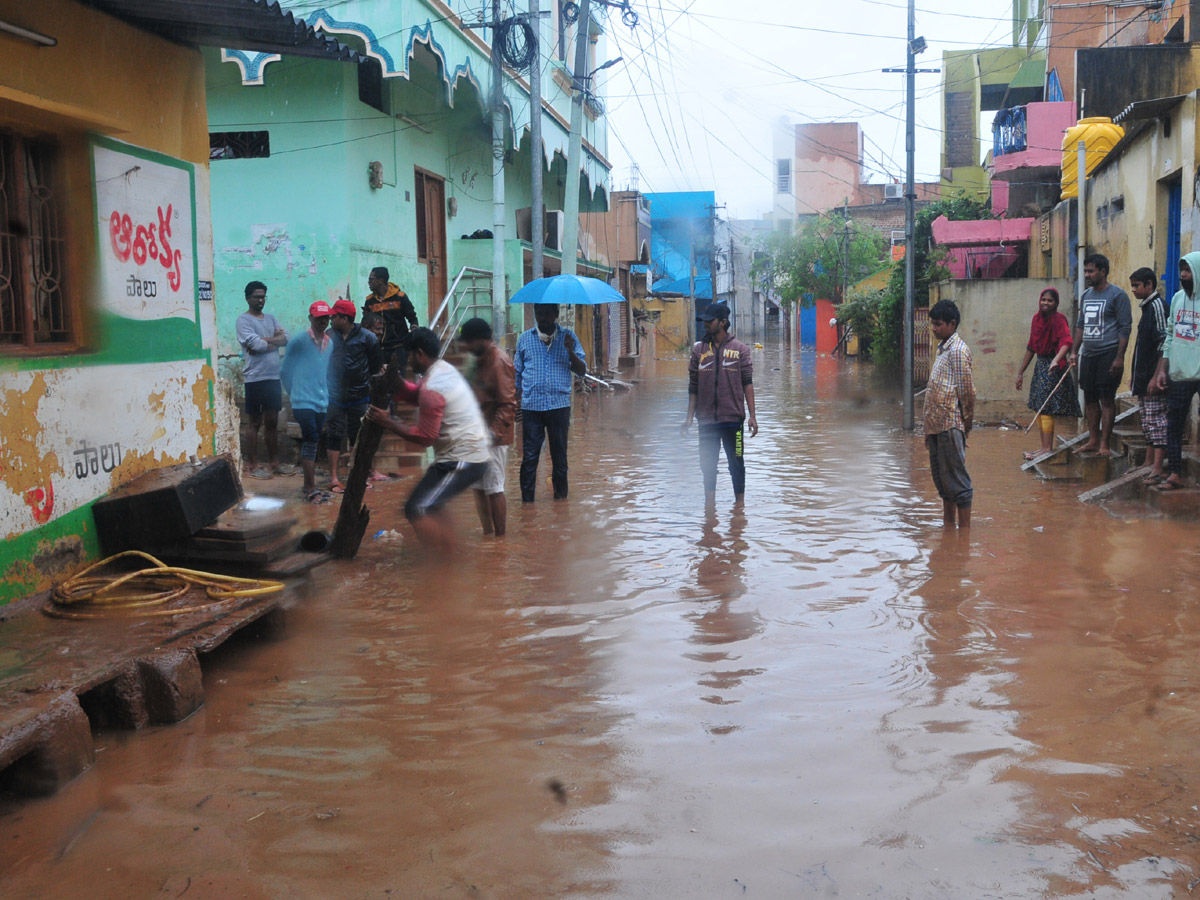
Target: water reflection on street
x=820 y=695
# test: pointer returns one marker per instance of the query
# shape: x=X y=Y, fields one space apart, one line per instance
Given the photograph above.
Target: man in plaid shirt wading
x=949 y=415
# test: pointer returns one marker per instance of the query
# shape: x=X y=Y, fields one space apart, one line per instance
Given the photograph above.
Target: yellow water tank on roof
x=1099 y=136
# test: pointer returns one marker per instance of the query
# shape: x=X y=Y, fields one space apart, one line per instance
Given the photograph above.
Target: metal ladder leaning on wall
x=470 y=295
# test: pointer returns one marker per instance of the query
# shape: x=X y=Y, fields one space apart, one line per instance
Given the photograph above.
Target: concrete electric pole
x=914 y=46
x=570 y=246
x=537 y=216
x=499 y=300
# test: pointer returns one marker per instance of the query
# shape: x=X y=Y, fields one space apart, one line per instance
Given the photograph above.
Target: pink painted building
x=986 y=248
x=1027 y=156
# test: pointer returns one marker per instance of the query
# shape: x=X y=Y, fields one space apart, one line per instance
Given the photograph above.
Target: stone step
x=1181 y=504
x=401 y=460
x=1058 y=472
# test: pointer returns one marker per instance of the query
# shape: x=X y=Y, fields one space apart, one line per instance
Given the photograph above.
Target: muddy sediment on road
x=822 y=694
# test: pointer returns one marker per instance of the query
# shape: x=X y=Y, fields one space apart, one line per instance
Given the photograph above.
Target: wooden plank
x=243 y=524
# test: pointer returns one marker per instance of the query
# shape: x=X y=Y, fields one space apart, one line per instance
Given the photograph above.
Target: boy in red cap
x=304 y=374
x=355 y=357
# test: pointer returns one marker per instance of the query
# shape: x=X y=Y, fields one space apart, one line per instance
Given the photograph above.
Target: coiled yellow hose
x=145 y=592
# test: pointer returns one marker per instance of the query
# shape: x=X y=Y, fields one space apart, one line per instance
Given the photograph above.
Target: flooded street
x=821 y=695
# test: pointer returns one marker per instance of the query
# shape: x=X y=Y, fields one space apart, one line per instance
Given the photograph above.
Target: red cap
x=345 y=308
x=320 y=308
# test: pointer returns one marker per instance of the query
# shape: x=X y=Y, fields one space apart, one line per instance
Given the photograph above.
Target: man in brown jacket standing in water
x=720 y=393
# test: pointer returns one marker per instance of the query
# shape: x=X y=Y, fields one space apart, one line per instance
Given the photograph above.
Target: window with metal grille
x=239 y=144
x=783 y=176
x=33 y=306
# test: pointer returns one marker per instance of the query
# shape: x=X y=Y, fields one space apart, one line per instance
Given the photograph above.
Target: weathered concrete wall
x=134 y=387
x=1127 y=197
x=672 y=335
x=996 y=314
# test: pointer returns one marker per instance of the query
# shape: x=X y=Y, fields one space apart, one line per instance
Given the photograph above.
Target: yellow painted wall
x=102 y=78
x=1127 y=202
x=672 y=334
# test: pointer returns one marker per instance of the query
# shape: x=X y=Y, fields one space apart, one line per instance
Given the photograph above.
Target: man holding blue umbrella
x=546 y=357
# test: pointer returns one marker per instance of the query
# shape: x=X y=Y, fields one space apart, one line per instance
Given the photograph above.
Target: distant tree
x=886 y=337
x=814 y=262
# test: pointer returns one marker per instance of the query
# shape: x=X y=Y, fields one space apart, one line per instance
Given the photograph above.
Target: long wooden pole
x=353 y=515
x=1065 y=373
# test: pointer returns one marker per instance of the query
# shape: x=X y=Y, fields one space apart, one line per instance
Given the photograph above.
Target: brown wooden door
x=431 y=237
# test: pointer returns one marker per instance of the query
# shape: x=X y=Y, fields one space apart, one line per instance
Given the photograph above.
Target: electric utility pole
x=570 y=245
x=845 y=248
x=499 y=304
x=537 y=215
x=910 y=197
x=580 y=79
x=914 y=46
x=518 y=61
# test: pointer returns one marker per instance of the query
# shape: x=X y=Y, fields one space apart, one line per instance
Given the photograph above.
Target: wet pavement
x=823 y=695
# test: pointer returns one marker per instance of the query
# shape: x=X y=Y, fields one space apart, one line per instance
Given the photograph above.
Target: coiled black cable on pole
x=517 y=42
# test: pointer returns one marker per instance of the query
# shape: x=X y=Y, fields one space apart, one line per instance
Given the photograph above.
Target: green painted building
x=323 y=170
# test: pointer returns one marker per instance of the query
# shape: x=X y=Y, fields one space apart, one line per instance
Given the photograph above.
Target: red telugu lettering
x=119 y=229
x=169 y=258
x=147 y=242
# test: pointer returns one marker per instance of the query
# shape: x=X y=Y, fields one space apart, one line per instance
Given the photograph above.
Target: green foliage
x=929 y=266
x=814 y=262
x=861 y=314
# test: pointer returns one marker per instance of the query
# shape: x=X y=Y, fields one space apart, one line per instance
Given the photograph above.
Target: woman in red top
x=1049 y=341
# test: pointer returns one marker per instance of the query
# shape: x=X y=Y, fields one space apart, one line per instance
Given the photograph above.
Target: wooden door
x=431 y=237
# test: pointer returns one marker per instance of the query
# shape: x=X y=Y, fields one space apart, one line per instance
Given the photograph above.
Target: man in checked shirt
x=949 y=414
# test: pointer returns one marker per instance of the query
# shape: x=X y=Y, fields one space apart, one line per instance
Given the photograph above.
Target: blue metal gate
x=1170 y=277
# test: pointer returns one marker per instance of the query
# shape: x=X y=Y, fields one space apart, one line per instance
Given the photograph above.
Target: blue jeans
x=712 y=437
x=536 y=426
x=311 y=422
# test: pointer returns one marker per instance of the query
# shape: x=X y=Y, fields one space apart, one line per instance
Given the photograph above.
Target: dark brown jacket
x=718 y=376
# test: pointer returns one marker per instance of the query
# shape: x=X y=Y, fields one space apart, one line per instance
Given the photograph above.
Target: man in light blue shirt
x=546 y=357
x=304 y=374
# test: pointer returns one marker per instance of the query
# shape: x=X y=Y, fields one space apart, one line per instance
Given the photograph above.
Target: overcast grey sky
x=702 y=81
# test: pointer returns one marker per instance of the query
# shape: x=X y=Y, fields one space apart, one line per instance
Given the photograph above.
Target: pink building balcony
x=1027 y=140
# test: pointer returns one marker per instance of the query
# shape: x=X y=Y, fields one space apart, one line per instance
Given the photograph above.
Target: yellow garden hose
x=95 y=595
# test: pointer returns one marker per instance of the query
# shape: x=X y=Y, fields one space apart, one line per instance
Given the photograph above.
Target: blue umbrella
x=567 y=290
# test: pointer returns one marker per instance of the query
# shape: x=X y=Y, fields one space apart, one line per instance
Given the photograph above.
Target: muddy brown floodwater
x=821 y=696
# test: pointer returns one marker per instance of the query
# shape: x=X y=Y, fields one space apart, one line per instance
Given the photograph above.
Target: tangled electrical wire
x=570 y=13
x=517 y=42
x=146 y=591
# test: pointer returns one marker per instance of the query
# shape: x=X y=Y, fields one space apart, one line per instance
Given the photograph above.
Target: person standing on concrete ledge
x=355 y=358
x=546 y=356
x=949 y=415
x=1179 y=370
x=1105 y=323
x=399 y=316
x=1147 y=351
x=260 y=336
x=305 y=375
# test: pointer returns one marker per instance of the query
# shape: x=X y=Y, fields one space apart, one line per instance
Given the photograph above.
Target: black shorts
x=1095 y=376
x=262 y=396
x=442 y=482
x=343 y=422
